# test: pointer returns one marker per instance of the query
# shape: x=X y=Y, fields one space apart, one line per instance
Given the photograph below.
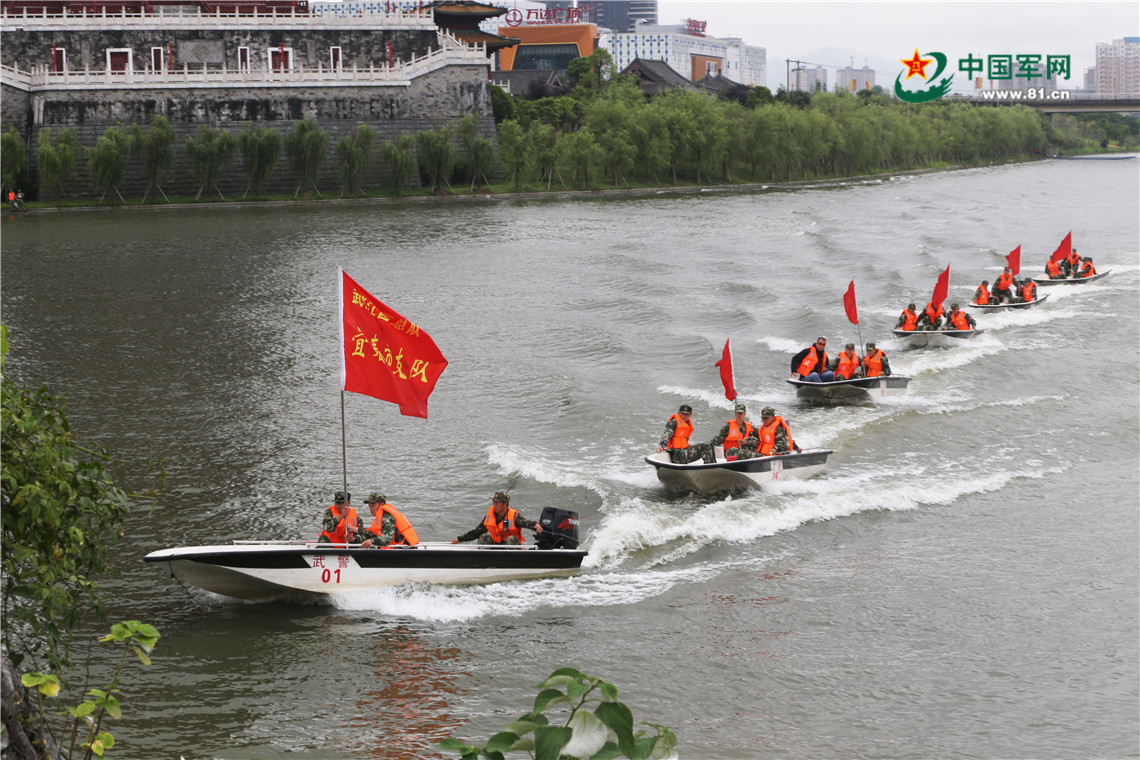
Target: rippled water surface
x=961 y=582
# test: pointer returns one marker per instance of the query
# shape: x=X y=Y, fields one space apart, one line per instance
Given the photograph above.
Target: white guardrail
x=399 y=74
x=179 y=17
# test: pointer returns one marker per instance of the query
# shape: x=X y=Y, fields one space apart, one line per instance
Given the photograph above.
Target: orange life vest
x=403 y=527
x=958 y=319
x=768 y=436
x=337 y=536
x=1053 y=268
x=11 y=195
x=1029 y=292
x=847 y=365
x=1074 y=262
x=911 y=319
x=874 y=363
x=1004 y=281
x=733 y=439
x=811 y=361
x=983 y=295
x=507 y=527
x=1087 y=270
x=932 y=313
x=681 y=435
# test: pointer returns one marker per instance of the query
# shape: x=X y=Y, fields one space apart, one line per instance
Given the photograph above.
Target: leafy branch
x=597 y=726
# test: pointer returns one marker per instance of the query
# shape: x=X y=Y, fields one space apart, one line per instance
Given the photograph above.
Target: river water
x=961 y=582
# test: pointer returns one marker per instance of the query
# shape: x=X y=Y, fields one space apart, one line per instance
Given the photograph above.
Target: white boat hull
x=851 y=391
x=1004 y=306
x=920 y=338
x=698 y=477
x=1072 y=280
x=300 y=569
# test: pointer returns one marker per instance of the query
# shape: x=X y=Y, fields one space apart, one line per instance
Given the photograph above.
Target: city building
x=689 y=51
x=1118 y=67
x=546 y=43
x=851 y=79
x=807 y=79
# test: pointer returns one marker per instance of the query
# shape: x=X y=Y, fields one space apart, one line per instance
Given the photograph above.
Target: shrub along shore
x=602 y=137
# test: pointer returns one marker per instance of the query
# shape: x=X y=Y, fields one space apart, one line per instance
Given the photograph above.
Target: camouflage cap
x=341 y=497
x=740 y=409
x=376 y=496
x=767 y=412
x=686 y=409
x=870 y=344
x=850 y=345
x=502 y=497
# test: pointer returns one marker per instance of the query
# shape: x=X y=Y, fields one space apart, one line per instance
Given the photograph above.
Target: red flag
x=1014 y=260
x=1064 y=249
x=726 y=377
x=849 y=304
x=384 y=355
x=942 y=288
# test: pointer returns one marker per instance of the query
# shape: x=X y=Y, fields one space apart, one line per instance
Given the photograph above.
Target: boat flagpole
x=344 y=468
x=853 y=313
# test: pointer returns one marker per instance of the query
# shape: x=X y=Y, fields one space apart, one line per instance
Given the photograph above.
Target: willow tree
x=354 y=155
x=260 y=149
x=307 y=148
x=156 y=146
x=513 y=151
x=398 y=157
x=13 y=158
x=211 y=152
x=107 y=161
x=56 y=159
x=436 y=156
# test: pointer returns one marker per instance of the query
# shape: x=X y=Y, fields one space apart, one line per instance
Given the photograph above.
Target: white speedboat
x=920 y=338
x=738 y=474
x=1004 y=306
x=850 y=391
x=265 y=571
x=1072 y=280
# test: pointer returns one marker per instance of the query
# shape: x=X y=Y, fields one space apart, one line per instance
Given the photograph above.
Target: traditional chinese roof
x=469 y=11
x=656 y=76
x=719 y=84
x=475 y=36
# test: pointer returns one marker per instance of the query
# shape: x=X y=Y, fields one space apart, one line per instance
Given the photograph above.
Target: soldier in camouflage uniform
x=780 y=434
x=388 y=534
x=691 y=453
x=750 y=440
x=330 y=523
x=506 y=517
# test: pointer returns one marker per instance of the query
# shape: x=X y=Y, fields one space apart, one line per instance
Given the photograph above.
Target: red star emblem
x=916 y=65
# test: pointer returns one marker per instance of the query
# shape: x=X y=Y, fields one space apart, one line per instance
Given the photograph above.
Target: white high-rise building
x=808 y=79
x=850 y=79
x=690 y=52
x=1118 y=67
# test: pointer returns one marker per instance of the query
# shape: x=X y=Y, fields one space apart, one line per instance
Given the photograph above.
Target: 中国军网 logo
x=930 y=67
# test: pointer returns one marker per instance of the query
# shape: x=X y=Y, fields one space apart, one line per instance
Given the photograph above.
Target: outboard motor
x=559 y=529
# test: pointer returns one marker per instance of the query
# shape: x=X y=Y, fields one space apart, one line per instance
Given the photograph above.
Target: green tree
x=354 y=155
x=399 y=158
x=56 y=161
x=543 y=141
x=592 y=71
x=514 y=151
x=211 y=152
x=60 y=512
x=502 y=104
x=156 y=147
x=260 y=149
x=478 y=152
x=107 y=161
x=436 y=157
x=307 y=148
x=13 y=158
x=580 y=152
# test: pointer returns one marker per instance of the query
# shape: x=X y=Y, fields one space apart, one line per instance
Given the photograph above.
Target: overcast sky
x=831 y=33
